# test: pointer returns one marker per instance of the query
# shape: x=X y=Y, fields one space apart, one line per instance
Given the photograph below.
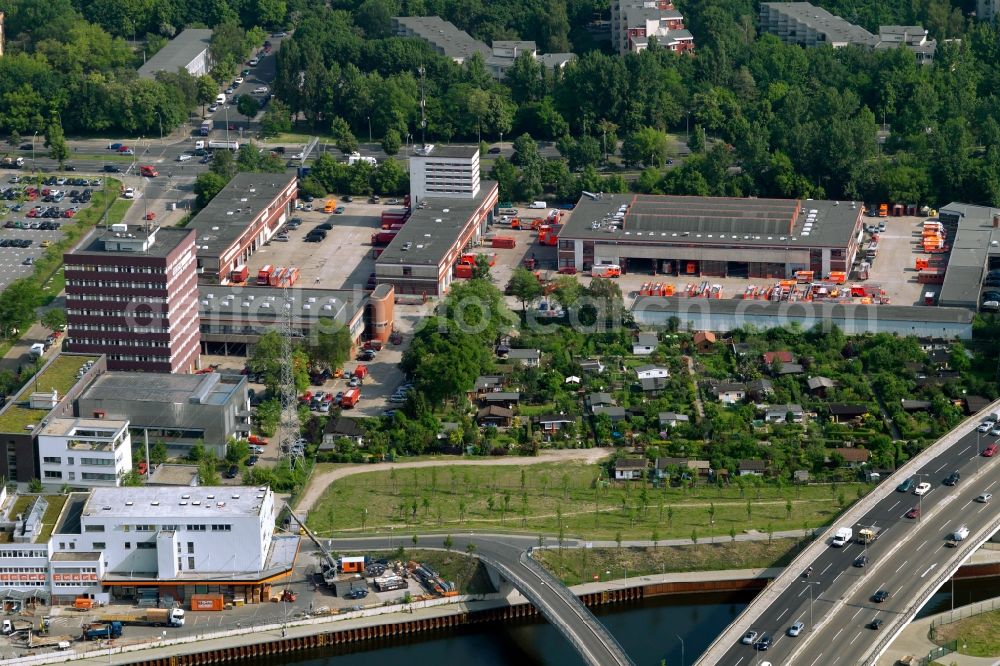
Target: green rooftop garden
x=59 y=375
x=52 y=512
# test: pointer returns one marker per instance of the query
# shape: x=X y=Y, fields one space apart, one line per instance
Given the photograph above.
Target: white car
x=995 y=432
x=238 y=80
x=213 y=108
x=184 y=157
x=749 y=637
x=985 y=426
x=984 y=498
x=253 y=61
x=129 y=193
x=261 y=90
x=922 y=488
x=297 y=156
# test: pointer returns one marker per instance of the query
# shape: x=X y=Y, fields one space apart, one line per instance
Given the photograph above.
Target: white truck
x=842 y=537
x=227 y=145
x=356 y=157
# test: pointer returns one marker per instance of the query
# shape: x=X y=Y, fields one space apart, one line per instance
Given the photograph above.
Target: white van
x=220 y=99
x=842 y=537
x=199 y=144
x=37 y=349
x=537 y=204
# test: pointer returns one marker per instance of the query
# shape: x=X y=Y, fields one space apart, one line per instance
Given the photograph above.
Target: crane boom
x=330 y=559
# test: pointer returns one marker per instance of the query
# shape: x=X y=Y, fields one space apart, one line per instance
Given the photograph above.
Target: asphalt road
x=900 y=560
x=557 y=600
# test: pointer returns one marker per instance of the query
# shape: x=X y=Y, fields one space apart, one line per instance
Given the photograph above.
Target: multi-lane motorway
x=835 y=601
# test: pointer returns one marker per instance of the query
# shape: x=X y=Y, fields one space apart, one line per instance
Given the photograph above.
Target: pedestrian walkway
x=913 y=641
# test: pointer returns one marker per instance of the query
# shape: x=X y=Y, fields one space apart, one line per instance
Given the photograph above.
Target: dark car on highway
x=952 y=478
x=875 y=624
x=763 y=643
x=880 y=596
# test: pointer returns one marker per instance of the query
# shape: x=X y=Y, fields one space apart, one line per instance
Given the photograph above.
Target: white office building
x=161 y=533
x=444 y=172
x=84 y=452
x=144 y=543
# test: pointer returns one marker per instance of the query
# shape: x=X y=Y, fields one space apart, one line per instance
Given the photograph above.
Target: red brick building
x=132 y=294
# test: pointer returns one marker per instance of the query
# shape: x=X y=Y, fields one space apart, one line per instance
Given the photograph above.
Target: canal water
x=651 y=630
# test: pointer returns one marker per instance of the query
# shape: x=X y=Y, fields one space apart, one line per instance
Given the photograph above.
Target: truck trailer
x=867 y=535
x=153 y=617
x=224 y=145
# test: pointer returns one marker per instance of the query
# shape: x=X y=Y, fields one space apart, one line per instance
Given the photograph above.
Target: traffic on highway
x=874 y=574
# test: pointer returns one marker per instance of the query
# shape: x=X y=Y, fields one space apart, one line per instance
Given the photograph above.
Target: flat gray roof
x=431 y=232
x=446 y=150
x=713 y=221
x=976 y=242
x=818 y=309
x=194 y=502
x=211 y=388
x=178 y=52
x=444 y=35
x=263 y=305
x=164 y=240
x=227 y=216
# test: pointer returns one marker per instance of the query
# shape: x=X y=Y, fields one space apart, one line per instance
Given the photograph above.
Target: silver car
x=796 y=628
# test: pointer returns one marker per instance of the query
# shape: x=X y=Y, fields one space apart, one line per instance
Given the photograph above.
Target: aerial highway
x=835 y=595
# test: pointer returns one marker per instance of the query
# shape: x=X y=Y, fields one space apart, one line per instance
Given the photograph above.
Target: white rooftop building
x=447 y=172
x=84 y=452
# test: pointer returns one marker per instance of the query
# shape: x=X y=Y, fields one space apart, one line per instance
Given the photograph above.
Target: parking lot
x=29 y=225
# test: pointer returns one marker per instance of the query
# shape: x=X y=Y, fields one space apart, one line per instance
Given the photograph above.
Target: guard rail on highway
x=760 y=603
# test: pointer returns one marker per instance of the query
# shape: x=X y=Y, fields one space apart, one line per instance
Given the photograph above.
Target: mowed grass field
x=978 y=636
x=566 y=497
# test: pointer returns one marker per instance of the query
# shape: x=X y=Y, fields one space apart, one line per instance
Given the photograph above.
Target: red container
x=505 y=242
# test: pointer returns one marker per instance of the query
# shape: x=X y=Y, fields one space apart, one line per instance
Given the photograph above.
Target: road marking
x=894 y=505
x=816 y=659
x=738 y=661
x=856 y=613
x=902 y=565
x=825 y=570
x=836 y=577
x=856 y=638
x=965 y=449
x=803 y=591
x=780 y=616
x=929 y=569
x=837 y=634
x=940 y=468
x=922 y=545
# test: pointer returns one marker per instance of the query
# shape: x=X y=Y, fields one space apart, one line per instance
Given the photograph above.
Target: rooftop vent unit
x=106 y=508
x=211 y=497
x=155 y=503
x=129 y=503
x=196 y=502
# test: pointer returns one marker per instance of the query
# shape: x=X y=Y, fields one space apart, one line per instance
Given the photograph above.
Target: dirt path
x=697 y=396
x=318 y=484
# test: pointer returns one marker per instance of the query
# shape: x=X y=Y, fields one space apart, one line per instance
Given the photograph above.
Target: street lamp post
x=160 y=118
x=369 y=118
x=810 y=584
x=687 y=128
x=682 y=648
x=33 y=166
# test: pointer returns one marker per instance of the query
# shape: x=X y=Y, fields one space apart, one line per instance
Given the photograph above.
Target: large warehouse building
x=452 y=210
x=974 y=251
x=711 y=236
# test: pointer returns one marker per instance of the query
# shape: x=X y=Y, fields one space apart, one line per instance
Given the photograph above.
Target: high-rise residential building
x=132 y=294
x=84 y=451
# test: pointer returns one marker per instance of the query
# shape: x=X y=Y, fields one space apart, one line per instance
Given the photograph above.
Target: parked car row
x=15 y=242
x=33 y=226
x=401 y=393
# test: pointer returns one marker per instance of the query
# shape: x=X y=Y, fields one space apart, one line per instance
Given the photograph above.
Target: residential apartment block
x=132 y=294
x=807 y=25
x=635 y=22
x=450 y=41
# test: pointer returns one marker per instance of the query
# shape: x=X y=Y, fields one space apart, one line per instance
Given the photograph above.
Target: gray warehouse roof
x=178 y=52
x=446 y=150
x=431 y=232
x=263 y=305
x=713 y=220
x=164 y=240
x=196 y=502
x=226 y=217
x=976 y=242
x=209 y=388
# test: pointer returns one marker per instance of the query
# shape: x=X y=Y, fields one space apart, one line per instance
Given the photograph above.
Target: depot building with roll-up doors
x=711 y=236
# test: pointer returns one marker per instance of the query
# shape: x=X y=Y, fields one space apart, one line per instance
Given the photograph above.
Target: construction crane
x=330 y=570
